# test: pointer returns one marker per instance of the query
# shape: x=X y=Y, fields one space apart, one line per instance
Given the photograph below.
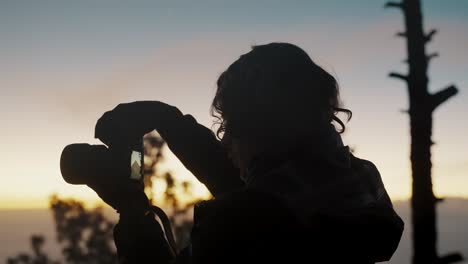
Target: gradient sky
x=64 y=63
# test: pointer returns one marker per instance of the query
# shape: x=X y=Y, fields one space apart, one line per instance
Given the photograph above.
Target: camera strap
x=167 y=227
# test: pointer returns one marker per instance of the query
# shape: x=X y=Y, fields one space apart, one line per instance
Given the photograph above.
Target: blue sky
x=63 y=63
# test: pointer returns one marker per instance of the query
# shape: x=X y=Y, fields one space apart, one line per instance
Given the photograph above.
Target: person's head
x=273 y=96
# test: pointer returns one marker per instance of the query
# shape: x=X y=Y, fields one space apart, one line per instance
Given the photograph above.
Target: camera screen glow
x=135 y=163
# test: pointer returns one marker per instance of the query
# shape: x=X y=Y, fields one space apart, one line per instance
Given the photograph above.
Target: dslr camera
x=83 y=163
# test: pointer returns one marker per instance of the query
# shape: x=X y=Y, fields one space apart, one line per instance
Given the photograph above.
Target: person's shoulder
x=363 y=163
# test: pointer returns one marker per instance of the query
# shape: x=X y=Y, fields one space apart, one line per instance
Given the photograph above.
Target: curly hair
x=275 y=87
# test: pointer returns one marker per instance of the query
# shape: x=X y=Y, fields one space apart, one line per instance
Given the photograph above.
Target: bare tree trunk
x=422 y=105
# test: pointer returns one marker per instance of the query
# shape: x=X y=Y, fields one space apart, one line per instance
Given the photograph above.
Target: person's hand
x=131 y=121
x=125 y=196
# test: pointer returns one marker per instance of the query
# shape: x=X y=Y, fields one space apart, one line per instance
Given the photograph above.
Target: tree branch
x=443 y=95
x=429 y=35
x=450 y=258
x=432 y=56
x=401 y=34
x=394 y=4
x=398 y=76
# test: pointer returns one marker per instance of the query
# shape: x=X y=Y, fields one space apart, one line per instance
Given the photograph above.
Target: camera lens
x=84 y=163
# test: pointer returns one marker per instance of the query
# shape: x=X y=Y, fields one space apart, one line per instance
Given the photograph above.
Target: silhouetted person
x=285 y=186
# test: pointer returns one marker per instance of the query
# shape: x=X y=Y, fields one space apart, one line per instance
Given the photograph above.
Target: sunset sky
x=64 y=63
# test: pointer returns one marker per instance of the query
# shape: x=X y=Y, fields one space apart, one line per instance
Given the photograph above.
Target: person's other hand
x=123 y=195
x=130 y=121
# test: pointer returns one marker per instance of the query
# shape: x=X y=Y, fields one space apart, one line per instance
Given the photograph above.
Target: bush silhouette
x=86 y=235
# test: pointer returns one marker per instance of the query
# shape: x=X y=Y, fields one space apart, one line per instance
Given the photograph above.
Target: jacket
x=315 y=203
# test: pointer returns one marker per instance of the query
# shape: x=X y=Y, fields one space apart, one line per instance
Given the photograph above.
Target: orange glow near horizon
x=41 y=201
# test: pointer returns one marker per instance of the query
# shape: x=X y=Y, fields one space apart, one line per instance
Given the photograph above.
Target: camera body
x=83 y=163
